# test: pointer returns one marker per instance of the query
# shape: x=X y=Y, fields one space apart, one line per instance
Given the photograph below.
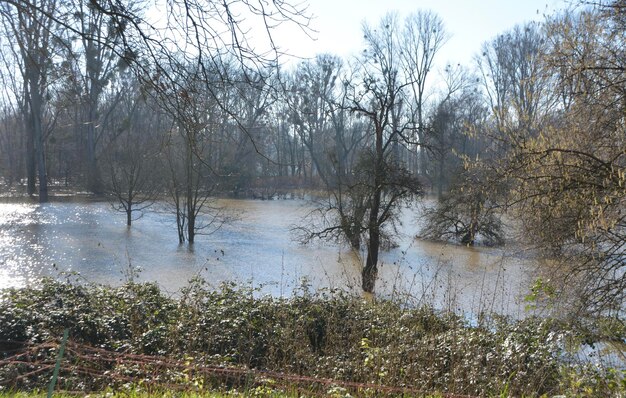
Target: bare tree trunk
x=129 y=214
x=191 y=216
x=189 y=189
x=440 y=177
x=93 y=176
x=41 y=164
x=35 y=104
x=370 y=271
x=355 y=241
x=180 y=219
x=31 y=167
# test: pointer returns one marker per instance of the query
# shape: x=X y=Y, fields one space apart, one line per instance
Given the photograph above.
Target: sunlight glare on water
x=14 y=220
x=91 y=239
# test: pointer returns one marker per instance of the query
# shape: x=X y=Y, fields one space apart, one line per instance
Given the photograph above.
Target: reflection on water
x=93 y=240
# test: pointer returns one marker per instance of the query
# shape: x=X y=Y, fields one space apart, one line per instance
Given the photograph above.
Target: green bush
x=330 y=334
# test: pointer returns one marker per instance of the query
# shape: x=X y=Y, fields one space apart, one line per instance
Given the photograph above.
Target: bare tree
x=12 y=127
x=100 y=36
x=33 y=32
x=310 y=96
x=458 y=107
x=134 y=175
x=319 y=108
x=423 y=36
x=469 y=211
x=241 y=155
x=376 y=96
x=196 y=118
x=114 y=33
x=517 y=86
x=364 y=174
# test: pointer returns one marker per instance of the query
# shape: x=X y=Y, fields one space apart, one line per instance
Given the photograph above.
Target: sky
x=470 y=23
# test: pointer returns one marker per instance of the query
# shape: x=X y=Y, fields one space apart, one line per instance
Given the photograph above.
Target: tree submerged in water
x=466 y=214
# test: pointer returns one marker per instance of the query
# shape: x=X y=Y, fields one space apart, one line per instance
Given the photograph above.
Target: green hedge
x=329 y=334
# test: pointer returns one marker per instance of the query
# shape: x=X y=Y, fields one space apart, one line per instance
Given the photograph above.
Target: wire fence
x=85 y=368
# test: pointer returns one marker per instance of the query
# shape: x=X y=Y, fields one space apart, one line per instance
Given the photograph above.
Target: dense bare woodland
x=98 y=97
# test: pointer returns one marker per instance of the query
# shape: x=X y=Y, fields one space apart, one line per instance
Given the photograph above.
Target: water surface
x=258 y=249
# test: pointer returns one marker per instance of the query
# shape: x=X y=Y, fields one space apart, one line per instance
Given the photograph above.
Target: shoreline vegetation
x=137 y=340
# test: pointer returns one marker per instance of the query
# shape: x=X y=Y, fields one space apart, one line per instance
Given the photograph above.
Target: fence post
x=57 y=366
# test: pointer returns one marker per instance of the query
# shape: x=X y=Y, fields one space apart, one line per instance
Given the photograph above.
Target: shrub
x=330 y=334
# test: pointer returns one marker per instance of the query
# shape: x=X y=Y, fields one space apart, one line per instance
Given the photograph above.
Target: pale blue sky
x=469 y=22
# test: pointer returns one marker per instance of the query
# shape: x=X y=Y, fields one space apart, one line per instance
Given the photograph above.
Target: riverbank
x=232 y=337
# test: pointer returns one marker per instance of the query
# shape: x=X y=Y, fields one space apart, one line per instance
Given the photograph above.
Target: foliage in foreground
x=326 y=335
x=132 y=393
x=257 y=392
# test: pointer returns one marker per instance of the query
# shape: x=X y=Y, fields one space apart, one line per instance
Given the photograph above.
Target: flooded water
x=258 y=249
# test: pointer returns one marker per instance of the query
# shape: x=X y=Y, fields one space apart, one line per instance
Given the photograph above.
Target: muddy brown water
x=258 y=249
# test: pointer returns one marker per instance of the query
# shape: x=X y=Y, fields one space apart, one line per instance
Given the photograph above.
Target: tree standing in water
x=380 y=94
